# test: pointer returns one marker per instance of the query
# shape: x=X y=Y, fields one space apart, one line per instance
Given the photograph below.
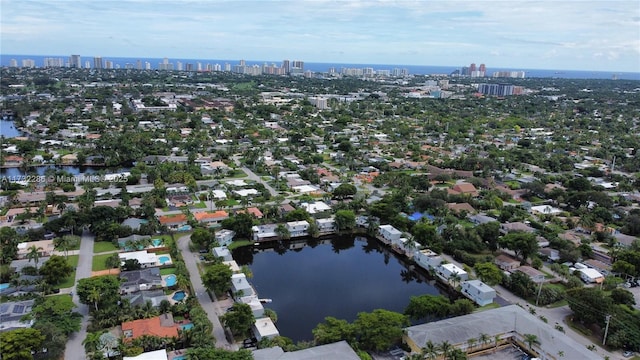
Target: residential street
x=211 y=307
x=75 y=349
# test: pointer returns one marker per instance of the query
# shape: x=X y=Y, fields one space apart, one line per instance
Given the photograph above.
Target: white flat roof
x=151 y=355
x=265 y=327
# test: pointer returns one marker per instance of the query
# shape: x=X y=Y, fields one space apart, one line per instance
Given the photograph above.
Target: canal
x=341 y=277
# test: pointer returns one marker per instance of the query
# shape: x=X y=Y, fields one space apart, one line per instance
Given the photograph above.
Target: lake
x=339 y=277
x=8 y=129
x=73 y=170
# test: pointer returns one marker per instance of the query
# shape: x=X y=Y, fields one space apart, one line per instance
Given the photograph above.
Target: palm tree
x=531 y=340
x=65 y=243
x=484 y=339
x=283 y=232
x=92 y=343
x=496 y=340
x=472 y=343
x=430 y=350
x=34 y=254
x=94 y=296
x=445 y=348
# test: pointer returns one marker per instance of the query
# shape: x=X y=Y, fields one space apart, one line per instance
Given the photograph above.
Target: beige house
x=45 y=247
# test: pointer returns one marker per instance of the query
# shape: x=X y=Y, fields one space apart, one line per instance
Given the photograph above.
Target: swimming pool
x=157 y=242
x=179 y=296
x=164 y=259
x=181 y=357
x=4 y=286
x=184 y=228
x=170 y=280
x=188 y=326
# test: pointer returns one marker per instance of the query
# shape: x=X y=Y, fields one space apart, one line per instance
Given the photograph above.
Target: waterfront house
x=447 y=272
x=264 y=328
x=338 y=350
x=139 y=280
x=254 y=303
x=222 y=252
x=479 y=292
x=327 y=226
x=427 y=259
x=298 y=228
x=266 y=232
x=389 y=233
x=240 y=286
x=224 y=237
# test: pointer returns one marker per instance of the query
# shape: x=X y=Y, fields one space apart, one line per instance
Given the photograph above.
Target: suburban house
x=254 y=303
x=211 y=218
x=427 y=259
x=516 y=226
x=224 y=237
x=389 y=233
x=173 y=222
x=506 y=262
x=598 y=265
x=327 y=226
x=479 y=292
x=145 y=259
x=139 y=280
x=316 y=208
x=298 y=228
x=142 y=297
x=11 y=314
x=266 y=232
x=265 y=328
x=536 y=276
x=447 y=272
x=240 y=286
x=460 y=207
x=464 y=188
x=481 y=219
x=222 y=252
x=338 y=350
x=545 y=210
x=150 y=355
x=160 y=326
x=45 y=248
x=590 y=276
x=253 y=211
x=551 y=254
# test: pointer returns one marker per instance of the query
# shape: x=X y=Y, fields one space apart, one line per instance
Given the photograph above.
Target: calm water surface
x=338 y=278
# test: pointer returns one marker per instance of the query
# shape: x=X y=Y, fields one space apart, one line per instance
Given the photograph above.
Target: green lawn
x=239 y=243
x=167 y=271
x=98 y=262
x=71 y=279
x=103 y=246
x=199 y=205
x=238 y=174
x=488 y=307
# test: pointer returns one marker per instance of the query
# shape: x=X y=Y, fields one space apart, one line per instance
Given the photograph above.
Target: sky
x=543 y=34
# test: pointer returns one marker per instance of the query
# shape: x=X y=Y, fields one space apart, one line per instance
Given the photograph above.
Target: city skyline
x=569 y=35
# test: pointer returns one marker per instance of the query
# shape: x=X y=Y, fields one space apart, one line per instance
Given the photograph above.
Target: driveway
x=212 y=308
x=75 y=349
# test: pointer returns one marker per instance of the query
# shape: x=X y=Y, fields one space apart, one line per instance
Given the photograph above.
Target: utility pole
x=606 y=330
x=539 y=290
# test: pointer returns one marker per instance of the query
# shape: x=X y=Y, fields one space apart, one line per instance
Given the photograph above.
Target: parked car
x=627 y=353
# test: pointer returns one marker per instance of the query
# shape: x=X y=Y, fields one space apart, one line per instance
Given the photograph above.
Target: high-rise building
x=108 y=64
x=87 y=64
x=13 y=63
x=28 y=63
x=97 y=62
x=147 y=65
x=472 y=67
x=227 y=67
x=286 y=65
x=139 y=64
x=482 y=68
x=75 y=61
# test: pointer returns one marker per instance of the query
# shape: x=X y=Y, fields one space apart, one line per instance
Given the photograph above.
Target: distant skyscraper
x=75 y=61
x=227 y=67
x=286 y=66
x=97 y=62
x=147 y=65
x=139 y=64
x=108 y=64
x=28 y=63
x=482 y=68
x=179 y=65
x=87 y=64
x=472 y=67
x=13 y=63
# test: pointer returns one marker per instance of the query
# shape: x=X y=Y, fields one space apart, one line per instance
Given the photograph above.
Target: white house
x=145 y=259
x=316 y=207
x=265 y=328
x=327 y=226
x=298 y=228
x=255 y=305
x=239 y=283
x=389 y=233
x=264 y=232
x=481 y=293
x=224 y=237
x=589 y=275
x=545 y=210
x=222 y=252
x=427 y=259
x=447 y=271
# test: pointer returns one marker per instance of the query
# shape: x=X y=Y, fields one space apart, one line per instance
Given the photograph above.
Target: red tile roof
x=161 y=326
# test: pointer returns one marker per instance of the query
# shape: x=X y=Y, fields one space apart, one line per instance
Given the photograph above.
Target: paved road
x=75 y=349
x=212 y=308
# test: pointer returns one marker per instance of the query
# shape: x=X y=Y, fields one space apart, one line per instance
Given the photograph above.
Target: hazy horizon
x=554 y=35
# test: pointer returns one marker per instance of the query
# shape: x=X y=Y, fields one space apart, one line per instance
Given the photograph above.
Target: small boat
x=265 y=301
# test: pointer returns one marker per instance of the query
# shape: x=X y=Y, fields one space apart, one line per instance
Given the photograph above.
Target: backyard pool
x=164 y=259
x=157 y=242
x=4 y=286
x=188 y=326
x=181 y=357
x=184 y=228
x=179 y=296
x=170 y=280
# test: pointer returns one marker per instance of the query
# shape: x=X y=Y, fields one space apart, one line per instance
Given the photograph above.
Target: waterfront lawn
x=103 y=246
x=71 y=279
x=239 y=243
x=99 y=262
